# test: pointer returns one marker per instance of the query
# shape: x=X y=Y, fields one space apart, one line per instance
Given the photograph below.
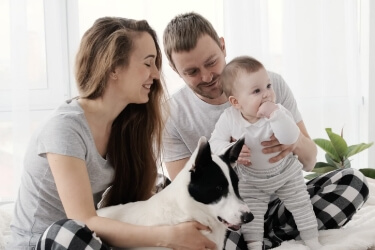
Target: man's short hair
x=183 y=32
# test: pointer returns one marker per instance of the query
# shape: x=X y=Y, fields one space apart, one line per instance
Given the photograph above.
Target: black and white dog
x=206 y=190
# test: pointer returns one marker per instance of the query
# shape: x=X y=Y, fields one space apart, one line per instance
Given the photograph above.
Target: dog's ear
x=203 y=156
x=234 y=151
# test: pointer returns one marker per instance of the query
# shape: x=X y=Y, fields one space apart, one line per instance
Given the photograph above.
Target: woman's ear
x=113 y=76
x=233 y=101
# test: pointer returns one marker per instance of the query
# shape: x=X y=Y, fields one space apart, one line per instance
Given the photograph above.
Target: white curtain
x=14 y=95
x=34 y=73
x=315 y=46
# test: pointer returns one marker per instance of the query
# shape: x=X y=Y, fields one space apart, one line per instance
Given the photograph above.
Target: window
x=23 y=80
x=321 y=48
x=33 y=73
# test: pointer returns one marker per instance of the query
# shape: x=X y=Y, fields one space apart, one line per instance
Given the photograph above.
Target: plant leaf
x=368 y=172
x=338 y=143
x=312 y=176
x=355 y=149
x=333 y=163
x=327 y=146
x=346 y=163
x=322 y=164
x=323 y=170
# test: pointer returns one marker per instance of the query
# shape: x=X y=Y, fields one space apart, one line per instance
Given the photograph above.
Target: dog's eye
x=219 y=188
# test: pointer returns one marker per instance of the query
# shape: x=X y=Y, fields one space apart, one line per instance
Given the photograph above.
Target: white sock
x=256 y=245
x=313 y=243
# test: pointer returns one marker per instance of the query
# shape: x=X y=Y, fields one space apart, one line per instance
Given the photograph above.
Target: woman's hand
x=244 y=156
x=187 y=236
x=273 y=146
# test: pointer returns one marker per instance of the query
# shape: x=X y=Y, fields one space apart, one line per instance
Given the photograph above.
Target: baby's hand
x=266 y=109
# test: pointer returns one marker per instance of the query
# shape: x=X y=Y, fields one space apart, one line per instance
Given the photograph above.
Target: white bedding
x=358 y=234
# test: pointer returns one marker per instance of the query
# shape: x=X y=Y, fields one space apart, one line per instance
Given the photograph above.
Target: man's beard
x=213 y=93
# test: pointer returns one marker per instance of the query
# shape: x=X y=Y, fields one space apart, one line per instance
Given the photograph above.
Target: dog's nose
x=247 y=217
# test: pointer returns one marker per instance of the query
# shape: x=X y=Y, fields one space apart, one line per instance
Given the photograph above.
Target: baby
x=255 y=115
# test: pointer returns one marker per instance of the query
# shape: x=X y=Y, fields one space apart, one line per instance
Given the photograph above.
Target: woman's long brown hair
x=135 y=140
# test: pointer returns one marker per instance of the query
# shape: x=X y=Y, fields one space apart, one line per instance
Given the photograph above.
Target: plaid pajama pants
x=336 y=196
x=70 y=234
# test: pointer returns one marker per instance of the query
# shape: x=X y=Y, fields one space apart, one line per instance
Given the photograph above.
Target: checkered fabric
x=69 y=235
x=335 y=196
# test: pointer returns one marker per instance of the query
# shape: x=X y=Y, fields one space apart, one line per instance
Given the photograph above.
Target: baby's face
x=250 y=91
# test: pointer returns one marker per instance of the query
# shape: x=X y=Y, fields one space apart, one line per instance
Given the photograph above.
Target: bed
x=358 y=234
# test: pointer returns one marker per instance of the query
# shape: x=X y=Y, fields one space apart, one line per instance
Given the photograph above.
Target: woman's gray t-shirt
x=38 y=205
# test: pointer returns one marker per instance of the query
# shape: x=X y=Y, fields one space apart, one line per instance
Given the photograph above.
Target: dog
x=205 y=190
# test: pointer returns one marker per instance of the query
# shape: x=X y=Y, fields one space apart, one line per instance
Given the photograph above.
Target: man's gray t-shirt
x=66 y=132
x=192 y=118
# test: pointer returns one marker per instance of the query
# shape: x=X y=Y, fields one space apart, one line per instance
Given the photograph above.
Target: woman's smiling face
x=136 y=78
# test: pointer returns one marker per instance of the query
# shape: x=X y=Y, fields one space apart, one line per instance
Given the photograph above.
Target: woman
x=109 y=136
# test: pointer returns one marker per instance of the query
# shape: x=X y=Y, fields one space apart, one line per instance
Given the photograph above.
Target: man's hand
x=273 y=146
x=244 y=157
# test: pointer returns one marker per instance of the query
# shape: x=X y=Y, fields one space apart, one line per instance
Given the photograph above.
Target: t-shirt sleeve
x=173 y=146
x=62 y=135
x=220 y=137
x=284 y=96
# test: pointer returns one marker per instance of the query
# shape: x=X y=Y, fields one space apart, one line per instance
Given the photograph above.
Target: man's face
x=201 y=67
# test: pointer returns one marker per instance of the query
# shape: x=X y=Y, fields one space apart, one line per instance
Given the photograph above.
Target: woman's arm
x=182 y=236
x=74 y=188
x=175 y=167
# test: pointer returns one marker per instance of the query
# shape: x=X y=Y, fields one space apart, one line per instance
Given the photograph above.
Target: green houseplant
x=337 y=155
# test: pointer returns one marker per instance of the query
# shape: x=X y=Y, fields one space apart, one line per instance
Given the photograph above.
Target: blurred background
x=324 y=49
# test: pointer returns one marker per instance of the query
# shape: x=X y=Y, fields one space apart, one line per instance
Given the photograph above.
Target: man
x=197 y=54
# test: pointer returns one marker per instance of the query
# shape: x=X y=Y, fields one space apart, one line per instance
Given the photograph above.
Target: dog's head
x=213 y=182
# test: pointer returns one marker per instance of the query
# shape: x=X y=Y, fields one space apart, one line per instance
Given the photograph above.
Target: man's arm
x=304 y=147
x=174 y=167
